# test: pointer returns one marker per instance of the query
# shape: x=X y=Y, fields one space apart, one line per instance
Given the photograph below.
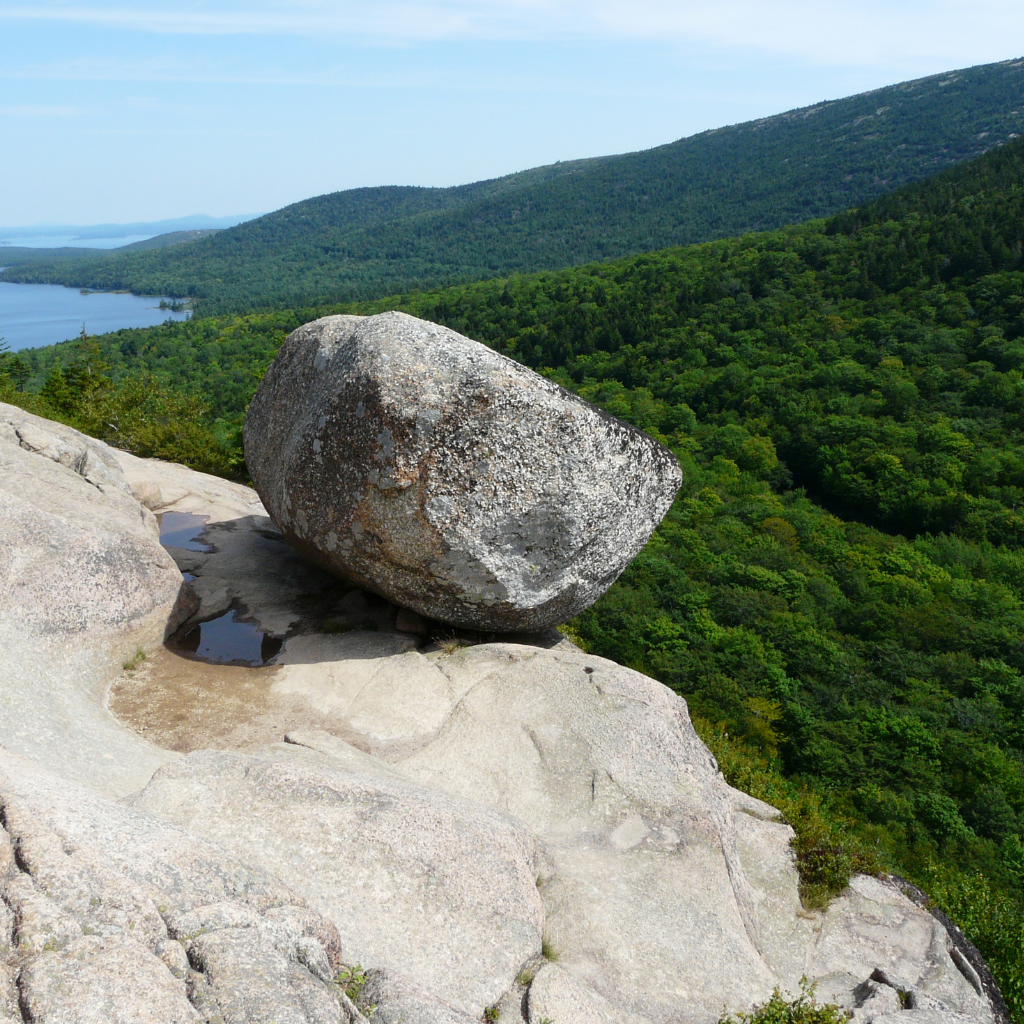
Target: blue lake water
x=70 y=241
x=43 y=314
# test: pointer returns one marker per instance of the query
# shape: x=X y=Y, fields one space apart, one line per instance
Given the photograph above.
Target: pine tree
x=56 y=393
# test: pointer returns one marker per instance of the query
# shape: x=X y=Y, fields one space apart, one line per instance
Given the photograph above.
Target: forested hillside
x=838 y=591
x=763 y=174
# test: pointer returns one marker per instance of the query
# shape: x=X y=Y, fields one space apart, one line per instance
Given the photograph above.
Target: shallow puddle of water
x=182 y=530
x=227 y=640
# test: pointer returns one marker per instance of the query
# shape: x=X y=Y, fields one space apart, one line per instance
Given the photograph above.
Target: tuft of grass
x=134 y=661
x=548 y=951
x=525 y=977
x=450 y=644
x=491 y=1014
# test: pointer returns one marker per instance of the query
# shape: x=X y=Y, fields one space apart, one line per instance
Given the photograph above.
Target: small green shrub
x=351 y=980
x=994 y=921
x=802 y=1010
x=827 y=850
x=573 y=636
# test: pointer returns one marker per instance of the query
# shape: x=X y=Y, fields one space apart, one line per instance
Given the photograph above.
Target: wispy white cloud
x=191 y=71
x=38 y=111
x=411 y=20
x=413 y=76
x=830 y=31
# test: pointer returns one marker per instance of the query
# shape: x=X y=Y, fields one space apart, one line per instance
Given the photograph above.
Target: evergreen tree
x=57 y=395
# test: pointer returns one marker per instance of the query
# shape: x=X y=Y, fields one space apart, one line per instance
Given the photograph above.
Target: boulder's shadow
x=255 y=593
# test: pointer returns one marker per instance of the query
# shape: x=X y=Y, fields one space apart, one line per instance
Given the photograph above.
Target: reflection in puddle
x=226 y=640
x=181 y=530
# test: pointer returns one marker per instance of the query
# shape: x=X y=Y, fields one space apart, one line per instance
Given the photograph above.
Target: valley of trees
x=780 y=170
x=838 y=591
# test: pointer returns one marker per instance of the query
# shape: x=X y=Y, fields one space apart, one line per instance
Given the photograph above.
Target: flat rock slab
x=437 y=888
x=555 y=995
x=167 y=487
x=449 y=478
x=371 y=688
x=397 y=1000
x=637 y=825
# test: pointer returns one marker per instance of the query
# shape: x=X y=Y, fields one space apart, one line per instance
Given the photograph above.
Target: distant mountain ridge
x=28 y=255
x=792 y=167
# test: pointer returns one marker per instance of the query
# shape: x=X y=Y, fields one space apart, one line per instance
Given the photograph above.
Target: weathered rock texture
x=441 y=888
x=443 y=816
x=447 y=477
x=114 y=917
x=83 y=583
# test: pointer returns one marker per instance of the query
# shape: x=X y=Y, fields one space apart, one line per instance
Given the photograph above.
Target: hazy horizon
x=108 y=235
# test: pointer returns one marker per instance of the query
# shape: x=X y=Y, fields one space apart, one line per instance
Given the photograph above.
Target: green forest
x=367 y=243
x=838 y=591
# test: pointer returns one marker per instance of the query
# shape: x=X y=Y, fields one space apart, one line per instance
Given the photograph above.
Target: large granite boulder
x=448 y=478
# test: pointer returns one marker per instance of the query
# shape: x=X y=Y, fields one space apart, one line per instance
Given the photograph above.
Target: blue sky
x=125 y=110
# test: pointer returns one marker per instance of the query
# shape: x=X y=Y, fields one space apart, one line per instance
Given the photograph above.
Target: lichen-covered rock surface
x=448 y=478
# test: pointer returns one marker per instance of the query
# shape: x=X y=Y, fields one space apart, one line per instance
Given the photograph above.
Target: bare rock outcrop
x=448 y=478
x=84 y=583
x=440 y=888
x=508 y=828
